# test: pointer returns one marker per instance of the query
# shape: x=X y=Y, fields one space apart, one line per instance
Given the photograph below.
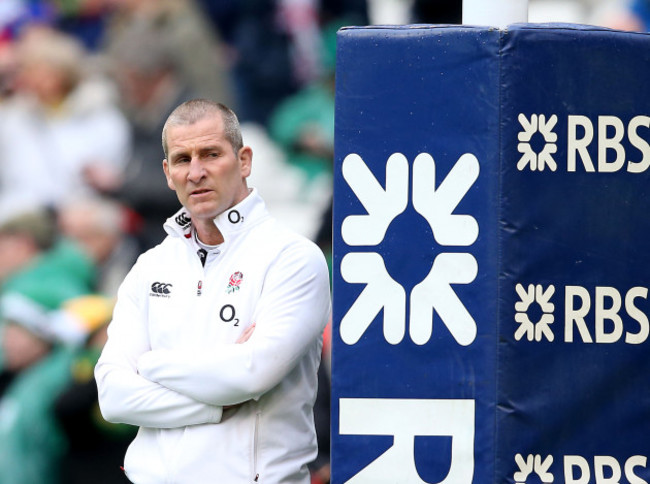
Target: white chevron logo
x=434 y=294
x=543 y=159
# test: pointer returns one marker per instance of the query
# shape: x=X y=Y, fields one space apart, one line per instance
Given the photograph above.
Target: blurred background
x=85 y=87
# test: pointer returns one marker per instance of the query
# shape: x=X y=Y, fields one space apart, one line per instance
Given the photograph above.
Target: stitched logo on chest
x=234 y=282
x=161 y=289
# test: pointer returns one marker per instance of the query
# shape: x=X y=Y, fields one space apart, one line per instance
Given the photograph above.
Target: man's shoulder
x=280 y=236
x=169 y=249
x=282 y=242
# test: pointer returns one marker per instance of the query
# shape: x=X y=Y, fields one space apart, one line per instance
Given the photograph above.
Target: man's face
x=207 y=175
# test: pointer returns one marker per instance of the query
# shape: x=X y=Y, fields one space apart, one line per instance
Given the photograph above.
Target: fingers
x=246 y=334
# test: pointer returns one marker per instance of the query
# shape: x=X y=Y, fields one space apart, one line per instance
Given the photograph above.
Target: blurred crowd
x=85 y=87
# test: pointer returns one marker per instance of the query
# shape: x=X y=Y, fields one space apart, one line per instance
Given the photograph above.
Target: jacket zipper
x=203 y=260
x=256 y=476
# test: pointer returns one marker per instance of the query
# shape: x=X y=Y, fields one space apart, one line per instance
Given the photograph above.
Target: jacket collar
x=241 y=217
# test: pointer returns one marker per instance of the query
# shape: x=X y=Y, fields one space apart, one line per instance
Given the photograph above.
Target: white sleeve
x=124 y=395
x=290 y=317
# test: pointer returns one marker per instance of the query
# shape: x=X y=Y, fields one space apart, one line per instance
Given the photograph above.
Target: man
x=216 y=336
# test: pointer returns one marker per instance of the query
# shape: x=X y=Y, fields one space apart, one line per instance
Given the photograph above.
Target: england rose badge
x=234 y=282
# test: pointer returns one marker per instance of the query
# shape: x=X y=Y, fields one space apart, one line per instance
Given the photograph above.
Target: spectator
x=303 y=126
x=63 y=127
x=39 y=275
x=195 y=51
x=264 y=72
x=99 y=226
x=83 y=19
x=94 y=447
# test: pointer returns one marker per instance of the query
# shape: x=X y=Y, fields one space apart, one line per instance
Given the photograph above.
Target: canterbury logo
x=161 y=289
x=183 y=219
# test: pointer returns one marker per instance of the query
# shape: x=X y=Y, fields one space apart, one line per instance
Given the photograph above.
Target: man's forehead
x=202 y=132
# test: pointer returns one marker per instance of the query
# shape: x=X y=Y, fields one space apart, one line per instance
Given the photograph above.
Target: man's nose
x=196 y=171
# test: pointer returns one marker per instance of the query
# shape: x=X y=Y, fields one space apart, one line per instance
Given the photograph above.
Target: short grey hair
x=195 y=110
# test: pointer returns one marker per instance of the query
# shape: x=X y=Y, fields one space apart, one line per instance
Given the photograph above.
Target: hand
x=246 y=334
x=242 y=339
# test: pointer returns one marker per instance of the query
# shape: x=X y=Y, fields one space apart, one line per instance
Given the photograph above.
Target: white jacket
x=171 y=363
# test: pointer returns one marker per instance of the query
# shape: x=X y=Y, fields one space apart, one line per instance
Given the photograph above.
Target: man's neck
x=208 y=233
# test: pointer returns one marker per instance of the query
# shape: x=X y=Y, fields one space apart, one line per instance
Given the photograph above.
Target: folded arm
x=290 y=317
x=126 y=396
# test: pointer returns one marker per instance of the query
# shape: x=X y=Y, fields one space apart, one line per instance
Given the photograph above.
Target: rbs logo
x=607 y=145
x=601 y=469
x=602 y=315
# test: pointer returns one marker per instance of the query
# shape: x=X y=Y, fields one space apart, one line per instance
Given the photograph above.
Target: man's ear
x=246 y=159
x=169 y=178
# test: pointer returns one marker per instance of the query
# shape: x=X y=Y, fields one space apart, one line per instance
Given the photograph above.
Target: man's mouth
x=200 y=191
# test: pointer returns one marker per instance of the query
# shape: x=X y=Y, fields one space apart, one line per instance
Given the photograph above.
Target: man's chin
x=202 y=211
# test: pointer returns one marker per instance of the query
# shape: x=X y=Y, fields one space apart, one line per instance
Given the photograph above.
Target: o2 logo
x=228 y=315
